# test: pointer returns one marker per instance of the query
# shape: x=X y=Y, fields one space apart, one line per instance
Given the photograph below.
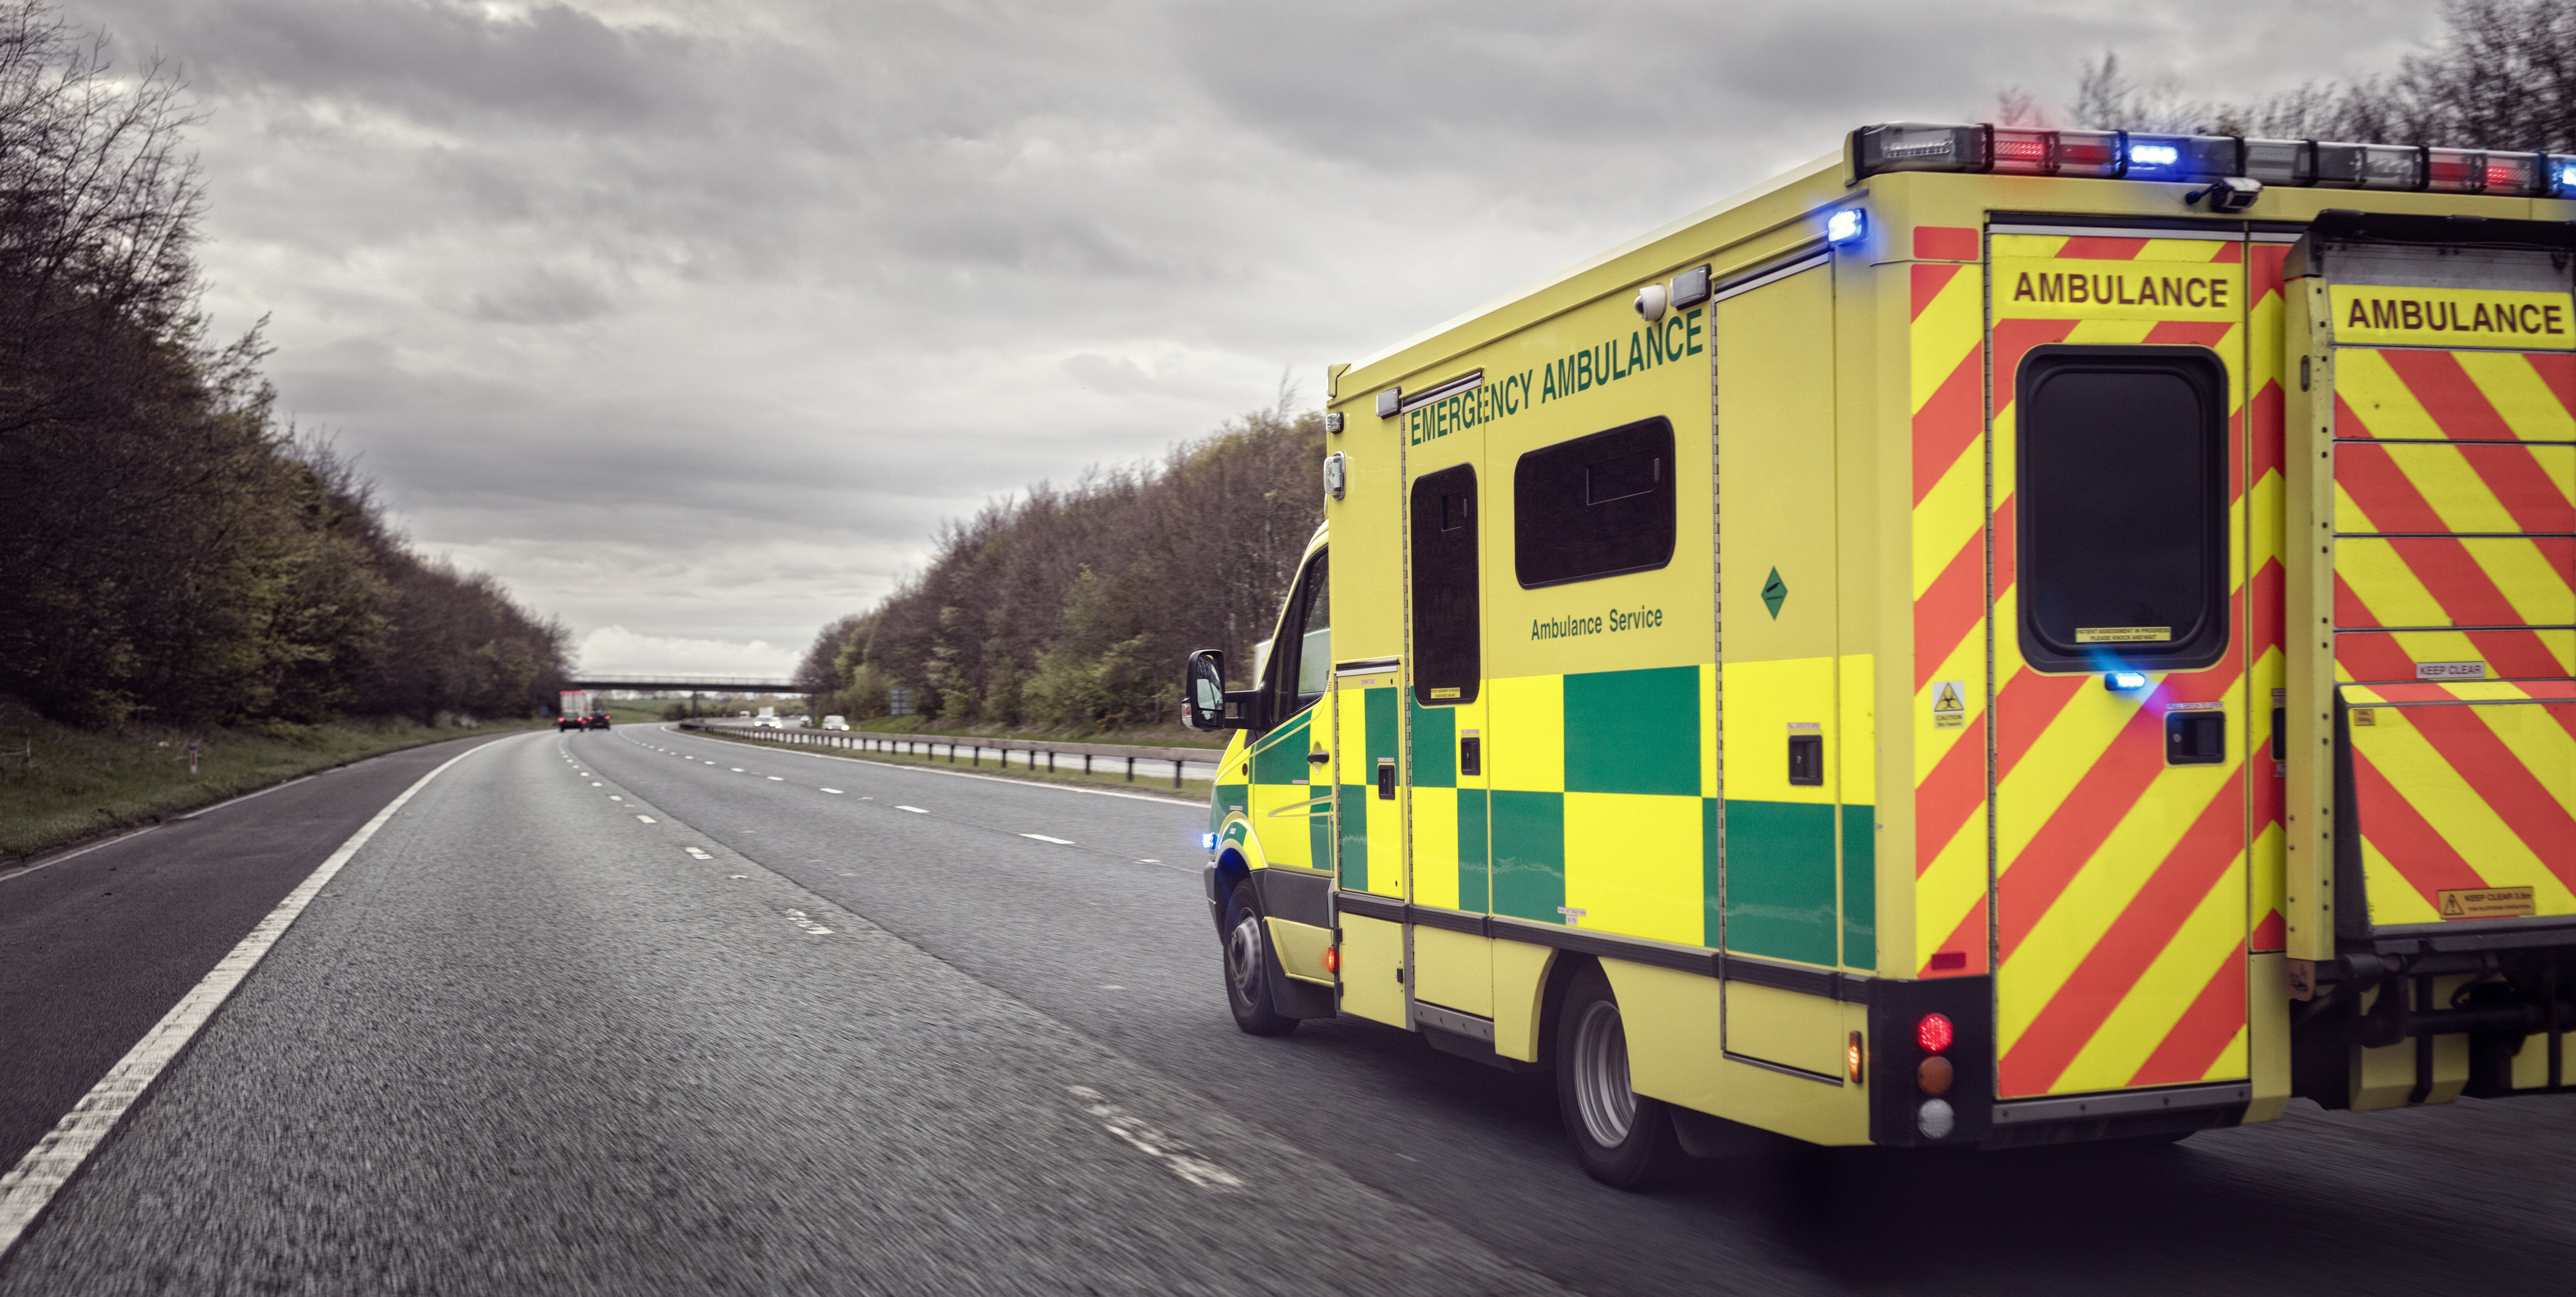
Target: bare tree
x=2502 y=75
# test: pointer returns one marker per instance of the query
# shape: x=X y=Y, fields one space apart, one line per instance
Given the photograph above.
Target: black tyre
x=1247 y=968
x=1622 y=1138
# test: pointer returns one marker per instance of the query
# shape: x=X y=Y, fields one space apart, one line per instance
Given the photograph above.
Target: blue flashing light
x=2567 y=178
x=1845 y=225
x=1207 y=842
x=2121 y=682
x=2154 y=155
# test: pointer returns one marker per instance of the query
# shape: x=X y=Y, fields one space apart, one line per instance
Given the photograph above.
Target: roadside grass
x=1111 y=773
x=73 y=783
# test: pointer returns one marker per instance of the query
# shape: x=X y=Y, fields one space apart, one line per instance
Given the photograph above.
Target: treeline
x=2502 y=75
x=170 y=550
x=1073 y=607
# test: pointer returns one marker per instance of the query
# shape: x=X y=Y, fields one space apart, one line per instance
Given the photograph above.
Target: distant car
x=595 y=721
x=568 y=721
x=767 y=723
x=836 y=722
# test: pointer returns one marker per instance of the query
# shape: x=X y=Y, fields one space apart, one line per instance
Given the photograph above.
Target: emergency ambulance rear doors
x=2438 y=506
x=2119 y=625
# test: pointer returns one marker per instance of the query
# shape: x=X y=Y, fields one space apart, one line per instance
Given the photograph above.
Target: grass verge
x=72 y=784
x=1113 y=774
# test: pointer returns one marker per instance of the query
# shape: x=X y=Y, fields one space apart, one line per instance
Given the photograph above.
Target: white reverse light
x=1845 y=225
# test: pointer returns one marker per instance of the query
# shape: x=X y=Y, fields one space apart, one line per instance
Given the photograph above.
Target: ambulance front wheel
x=1622 y=1138
x=1247 y=968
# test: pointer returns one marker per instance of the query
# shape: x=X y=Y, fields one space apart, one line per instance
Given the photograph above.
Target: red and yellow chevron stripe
x=1947 y=343
x=2467 y=793
x=2266 y=662
x=2455 y=523
x=2120 y=898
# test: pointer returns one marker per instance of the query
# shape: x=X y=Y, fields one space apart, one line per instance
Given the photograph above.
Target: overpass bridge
x=683 y=683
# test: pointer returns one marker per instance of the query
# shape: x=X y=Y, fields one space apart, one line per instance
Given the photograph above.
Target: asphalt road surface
x=640 y=1011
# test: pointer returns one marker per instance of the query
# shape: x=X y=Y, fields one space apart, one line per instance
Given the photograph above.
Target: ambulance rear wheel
x=1622 y=1138
x=1247 y=969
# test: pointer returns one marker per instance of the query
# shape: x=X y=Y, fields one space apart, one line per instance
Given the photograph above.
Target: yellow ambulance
x=1997 y=637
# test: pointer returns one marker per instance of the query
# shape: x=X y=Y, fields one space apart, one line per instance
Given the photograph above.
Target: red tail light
x=1933 y=1033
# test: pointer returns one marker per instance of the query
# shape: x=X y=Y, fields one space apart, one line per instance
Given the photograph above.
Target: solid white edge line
x=243 y=798
x=24 y=870
x=30 y=1186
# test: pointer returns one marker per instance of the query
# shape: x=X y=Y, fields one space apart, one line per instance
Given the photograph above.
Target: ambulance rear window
x=2122 y=495
x=1595 y=506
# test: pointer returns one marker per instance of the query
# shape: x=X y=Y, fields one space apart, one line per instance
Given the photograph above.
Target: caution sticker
x=1949 y=704
x=2123 y=634
x=2487 y=903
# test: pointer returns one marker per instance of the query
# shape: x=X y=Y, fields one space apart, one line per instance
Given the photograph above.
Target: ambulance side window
x=2122 y=495
x=1595 y=506
x=1448 y=616
x=1305 y=650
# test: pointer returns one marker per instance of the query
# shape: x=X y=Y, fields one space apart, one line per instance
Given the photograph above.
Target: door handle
x=1318 y=758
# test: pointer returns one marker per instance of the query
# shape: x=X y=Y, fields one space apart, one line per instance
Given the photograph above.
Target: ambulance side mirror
x=1205 y=702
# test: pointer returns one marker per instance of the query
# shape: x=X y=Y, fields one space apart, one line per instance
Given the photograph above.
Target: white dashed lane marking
x=648 y=819
x=914 y=809
x=835 y=792
x=798 y=918
x=697 y=853
x=776 y=779
x=1061 y=842
x=1176 y=1157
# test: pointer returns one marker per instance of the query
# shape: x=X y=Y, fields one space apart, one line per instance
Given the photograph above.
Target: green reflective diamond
x=1775 y=592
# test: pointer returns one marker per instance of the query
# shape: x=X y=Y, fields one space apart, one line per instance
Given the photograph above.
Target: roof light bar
x=2200 y=159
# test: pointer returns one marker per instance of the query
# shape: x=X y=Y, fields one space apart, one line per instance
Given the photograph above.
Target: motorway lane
x=528 y=1040
x=2387 y=1202
x=98 y=942
x=624 y=1119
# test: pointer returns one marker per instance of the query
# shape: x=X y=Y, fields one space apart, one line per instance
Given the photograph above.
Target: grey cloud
x=695 y=317
x=541 y=297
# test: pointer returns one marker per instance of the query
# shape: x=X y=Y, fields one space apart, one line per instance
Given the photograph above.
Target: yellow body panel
x=1301 y=948
x=1454 y=970
x=1372 y=962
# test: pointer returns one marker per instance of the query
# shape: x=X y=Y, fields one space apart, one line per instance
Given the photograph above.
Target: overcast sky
x=691 y=320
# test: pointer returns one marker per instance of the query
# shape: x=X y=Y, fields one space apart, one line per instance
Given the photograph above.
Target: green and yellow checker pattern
x=1263 y=803
x=1602 y=814
x=1371 y=827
